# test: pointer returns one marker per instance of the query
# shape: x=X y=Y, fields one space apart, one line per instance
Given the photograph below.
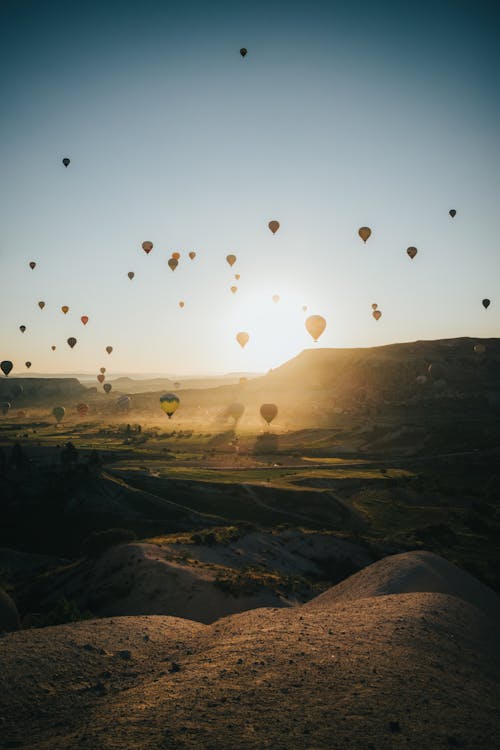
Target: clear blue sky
x=343 y=114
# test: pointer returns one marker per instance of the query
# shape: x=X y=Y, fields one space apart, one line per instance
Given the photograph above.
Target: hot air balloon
x=486 y=303
x=71 y=342
x=242 y=338
x=4 y=406
x=84 y=319
x=377 y=314
x=479 y=348
x=276 y=298
x=364 y=233
x=235 y=411
x=304 y=308
x=176 y=256
x=274 y=226
x=82 y=409
x=237 y=276
x=65 y=309
x=231 y=259
x=169 y=403
x=22 y=328
x=6 y=366
x=28 y=365
x=268 y=412
x=41 y=304
x=101 y=378
x=53 y=348
x=131 y=275
x=181 y=304
x=412 y=251
x=173 y=263
x=32 y=264
x=234 y=289
x=243 y=51
x=374 y=305
x=315 y=326
x=147 y=246
x=58 y=412
x=192 y=255
x=109 y=349
x=102 y=369
x=123 y=403
x=107 y=387
x=452 y=213
x=66 y=161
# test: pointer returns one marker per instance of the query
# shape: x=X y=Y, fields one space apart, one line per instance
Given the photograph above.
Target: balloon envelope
x=58 y=412
x=452 y=213
x=486 y=303
x=53 y=348
x=274 y=226
x=107 y=387
x=101 y=378
x=123 y=402
x=181 y=304
x=377 y=314
x=169 y=403
x=412 y=251
x=242 y=338
x=315 y=325
x=231 y=259
x=374 y=305
x=109 y=349
x=22 y=328
x=82 y=409
x=268 y=412
x=176 y=256
x=65 y=309
x=364 y=233
x=235 y=410
x=28 y=365
x=131 y=275
x=243 y=51
x=276 y=298
x=32 y=264
x=6 y=366
x=71 y=341
x=102 y=369
x=66 y=161
x=147 y=246
x=173 y=263
x=192 y=255
x=41 y=304
x=234 y=289
x=84 y=319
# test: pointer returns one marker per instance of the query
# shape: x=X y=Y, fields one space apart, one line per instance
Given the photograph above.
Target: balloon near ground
x=123 y=403
x=147 y=246
x=235 y=410
x=274 y=226
x=412 y=251
x=242 y=338
x=107 y=387
x=6 y=367
x=315 y=325
x=58 y=412
x=364 y=233
x=479 y=348
x=268 y=412
x=169 y=403
x=82 y=409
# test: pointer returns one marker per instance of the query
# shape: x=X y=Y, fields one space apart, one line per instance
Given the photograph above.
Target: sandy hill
x=413 y=670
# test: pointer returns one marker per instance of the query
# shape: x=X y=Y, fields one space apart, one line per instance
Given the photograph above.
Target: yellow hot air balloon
x=65 y=309
x=173 y=263
x=268 y=412
x=169 y=403
x=231 y=259
x=364 y=233
x=242 y=338
x=234 y=289
x=274 y=226
x=315 y=325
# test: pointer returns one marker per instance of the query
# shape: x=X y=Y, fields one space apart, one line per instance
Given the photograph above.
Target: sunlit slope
x=416 y=668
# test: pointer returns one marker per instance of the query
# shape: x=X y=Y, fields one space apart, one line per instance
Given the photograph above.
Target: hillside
x=413 y=669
